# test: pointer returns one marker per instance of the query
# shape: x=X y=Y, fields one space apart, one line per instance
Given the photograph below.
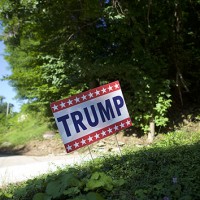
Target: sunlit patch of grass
x=178 y=138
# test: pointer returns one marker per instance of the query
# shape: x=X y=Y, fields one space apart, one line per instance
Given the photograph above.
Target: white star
x=103 y=90
x=122 y=125
x=110 y=88
x=55 y=107
x=103 y=133
x=69 y=147
x=128 y=122
x=96 y=136
x=90 y=139
x=97 y=92
x=62 y=104
x=90 y=95
x=116 y=128
x=76 y=144
x=116 y=85
x=70 y=102
x=83 y=142
x=109 y=130
x=77 y=99
x=84 y=97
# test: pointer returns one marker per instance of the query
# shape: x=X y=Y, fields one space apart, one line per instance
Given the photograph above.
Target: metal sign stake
x=90 y=153
x=118 y=145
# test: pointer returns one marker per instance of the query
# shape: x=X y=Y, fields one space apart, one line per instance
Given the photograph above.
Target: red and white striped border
x=97 y=135
x=85 y=96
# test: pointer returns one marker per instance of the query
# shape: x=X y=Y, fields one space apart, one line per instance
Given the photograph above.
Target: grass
x=22 y=132
x=167 y=170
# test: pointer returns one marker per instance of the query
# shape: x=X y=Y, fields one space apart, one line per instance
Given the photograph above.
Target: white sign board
x=91 y=116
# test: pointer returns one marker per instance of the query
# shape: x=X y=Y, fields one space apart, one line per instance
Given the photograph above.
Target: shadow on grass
x=149 y=174
x=159 y=173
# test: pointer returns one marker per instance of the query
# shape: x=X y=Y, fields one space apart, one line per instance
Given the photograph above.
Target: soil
x=110 y=144
x=54 y=146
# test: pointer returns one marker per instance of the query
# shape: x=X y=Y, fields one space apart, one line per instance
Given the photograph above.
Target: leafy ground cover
x=167 y=170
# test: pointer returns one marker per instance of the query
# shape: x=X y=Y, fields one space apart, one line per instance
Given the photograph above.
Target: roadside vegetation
x=166 y=170
x=18 y=129
x=56 y=49
x=60 y=48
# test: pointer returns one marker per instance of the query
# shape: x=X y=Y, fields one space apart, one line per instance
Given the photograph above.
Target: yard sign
x=91 y=116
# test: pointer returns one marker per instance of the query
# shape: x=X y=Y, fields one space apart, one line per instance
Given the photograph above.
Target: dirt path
x=55 y=146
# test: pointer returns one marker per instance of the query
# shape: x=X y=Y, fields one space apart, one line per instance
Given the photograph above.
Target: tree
x=2 y=105
x=59 y=48
x=1 y=99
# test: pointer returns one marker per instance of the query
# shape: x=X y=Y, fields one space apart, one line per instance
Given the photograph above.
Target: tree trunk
x=151 y=133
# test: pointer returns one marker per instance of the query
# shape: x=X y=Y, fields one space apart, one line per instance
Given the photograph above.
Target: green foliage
x=3 y=107
x=58 y=48
x=67 y=185
x=99 y=180
x=90 y=196
x=6 y=116
x=162 y=105
x=5 y=123
x=179 y=138
x=57 y=187
x=70 y=186
x=167 y=170
x=22 y=128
